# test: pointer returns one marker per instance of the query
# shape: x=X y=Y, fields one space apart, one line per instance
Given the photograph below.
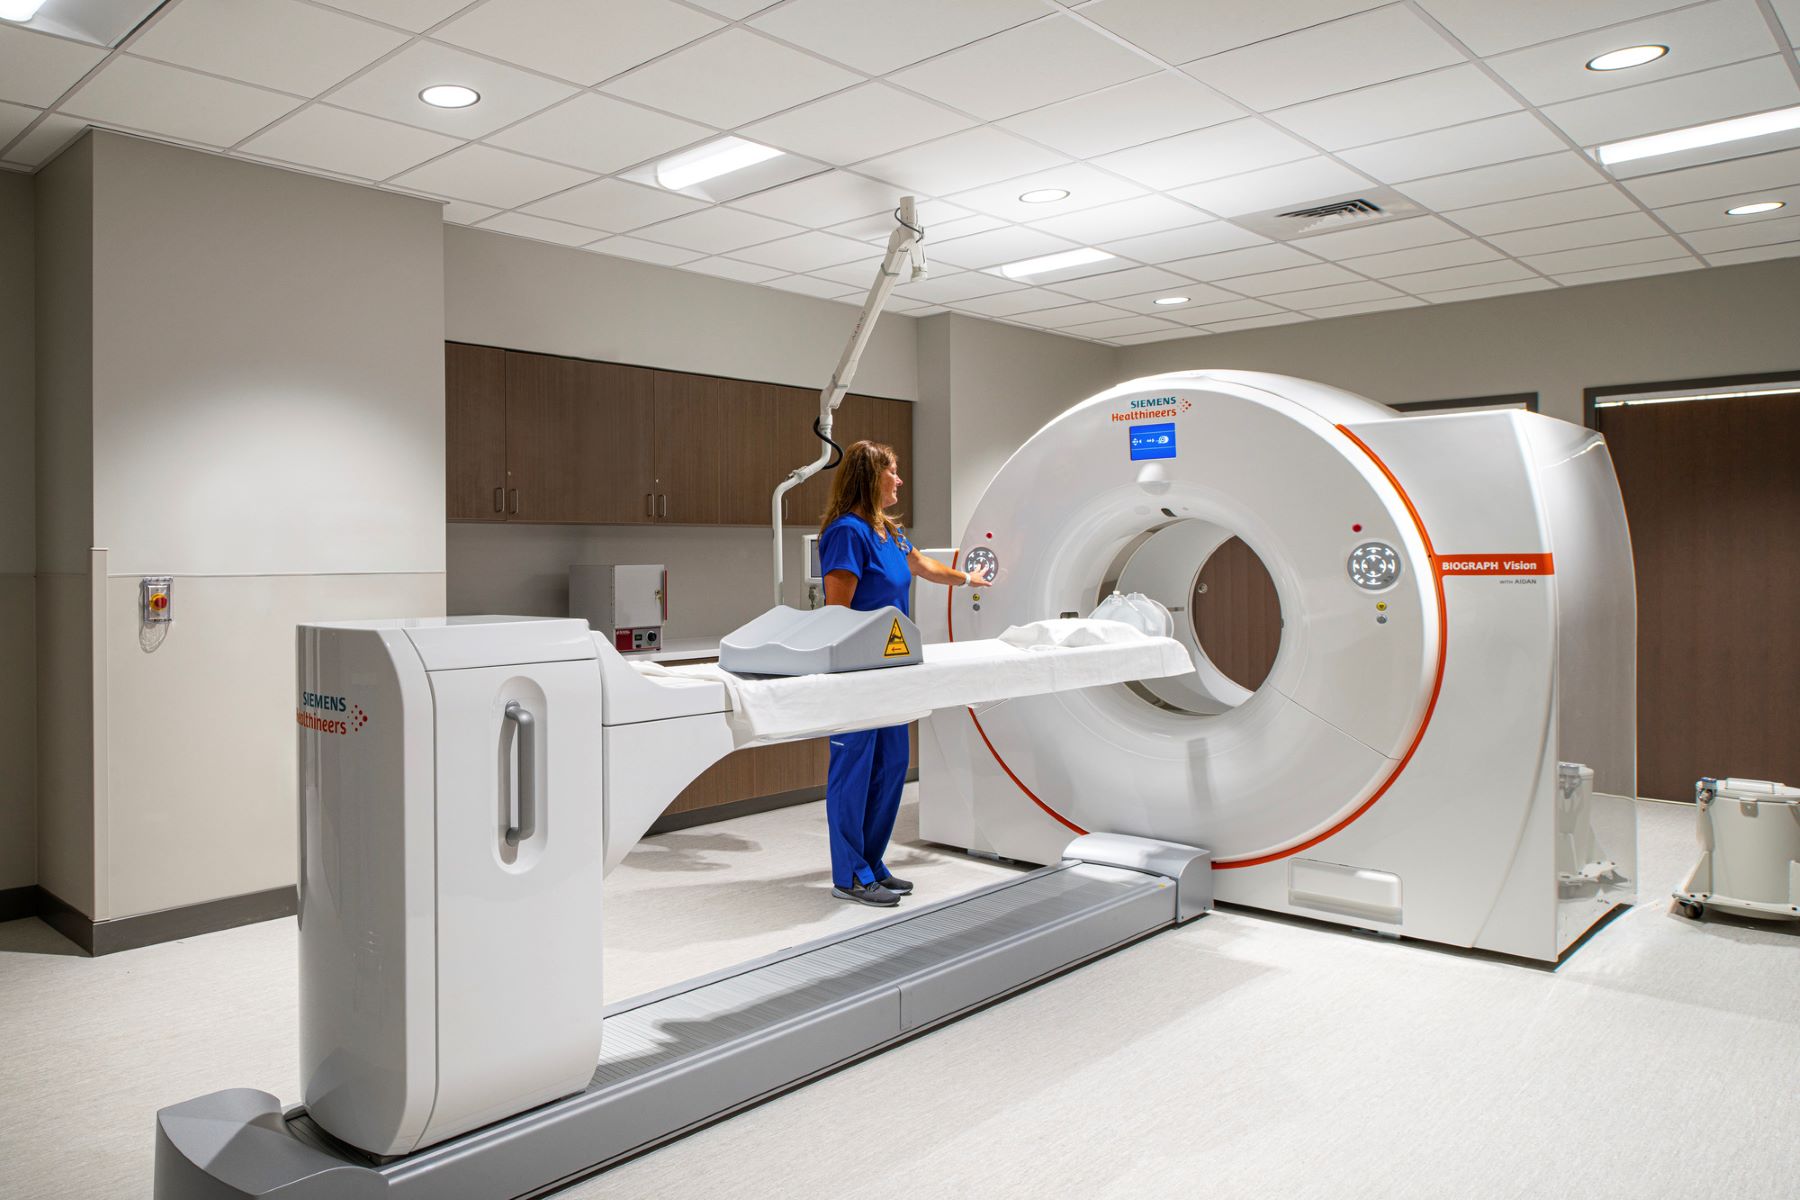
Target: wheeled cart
x=1749 y=831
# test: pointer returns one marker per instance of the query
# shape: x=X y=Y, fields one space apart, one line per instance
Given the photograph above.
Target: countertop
x=676 y=649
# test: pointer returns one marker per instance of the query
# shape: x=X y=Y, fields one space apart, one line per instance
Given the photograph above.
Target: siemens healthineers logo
x=1148 y=408
x=313 y=707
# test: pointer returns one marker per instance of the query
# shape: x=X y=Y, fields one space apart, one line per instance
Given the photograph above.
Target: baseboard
x=18 y=903
x=168 y=925
x=669 y=822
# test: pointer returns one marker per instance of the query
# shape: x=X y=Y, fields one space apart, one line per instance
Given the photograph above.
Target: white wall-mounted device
x=628 y=603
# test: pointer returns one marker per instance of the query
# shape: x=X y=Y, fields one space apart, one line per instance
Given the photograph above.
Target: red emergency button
x=159 y=601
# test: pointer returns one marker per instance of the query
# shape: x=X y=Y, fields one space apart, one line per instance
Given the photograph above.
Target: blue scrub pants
x=862 y=798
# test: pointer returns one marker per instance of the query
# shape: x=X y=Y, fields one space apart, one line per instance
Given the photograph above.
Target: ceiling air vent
x=1370 y=206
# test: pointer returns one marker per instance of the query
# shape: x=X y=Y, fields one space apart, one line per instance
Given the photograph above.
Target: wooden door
x=1712 y=493
x=474 y=432
x=893 y=426
x=579 y=441
x=1236 y=614
x=796 y=445
x=752 y=467
x=691 y=447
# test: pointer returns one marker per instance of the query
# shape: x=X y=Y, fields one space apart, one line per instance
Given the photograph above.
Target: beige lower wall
x=18 y=731
x=65 y=739
x=200 y=750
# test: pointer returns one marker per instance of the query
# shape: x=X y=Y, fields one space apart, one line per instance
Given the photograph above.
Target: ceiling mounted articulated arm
x=907 y=242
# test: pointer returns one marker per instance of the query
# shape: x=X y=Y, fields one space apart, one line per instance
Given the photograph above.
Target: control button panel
x=627 y=640
x=983 y=562
x=1374 y=566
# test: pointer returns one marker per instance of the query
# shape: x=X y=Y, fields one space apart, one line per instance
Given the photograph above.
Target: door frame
x=1591 y=396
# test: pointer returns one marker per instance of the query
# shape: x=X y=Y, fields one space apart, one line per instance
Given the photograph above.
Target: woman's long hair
x=857 y=487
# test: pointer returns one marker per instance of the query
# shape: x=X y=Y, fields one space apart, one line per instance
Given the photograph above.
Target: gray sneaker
x=894 y=883
x=868 y=893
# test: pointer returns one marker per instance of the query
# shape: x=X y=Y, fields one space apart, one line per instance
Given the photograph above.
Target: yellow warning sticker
x=896 y=643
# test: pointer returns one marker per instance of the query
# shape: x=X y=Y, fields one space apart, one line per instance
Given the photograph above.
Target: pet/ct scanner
x=1441 y=750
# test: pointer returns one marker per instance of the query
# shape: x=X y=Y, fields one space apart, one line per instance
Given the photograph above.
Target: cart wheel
x=1691 y=909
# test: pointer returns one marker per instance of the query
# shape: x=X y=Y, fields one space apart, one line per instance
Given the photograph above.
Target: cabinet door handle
x=498 y=507
x=515 y=501
x=649 y=504
x=663 y=505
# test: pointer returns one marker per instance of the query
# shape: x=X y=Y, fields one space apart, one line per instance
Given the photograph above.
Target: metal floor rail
x=683 y=1057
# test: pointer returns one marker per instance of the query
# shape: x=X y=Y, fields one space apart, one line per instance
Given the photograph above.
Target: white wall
x=18 y=535
x=1692 y=324
x=503 y=291
x=268 y=427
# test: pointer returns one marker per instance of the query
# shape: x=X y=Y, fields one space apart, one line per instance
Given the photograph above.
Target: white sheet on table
x=954 y=674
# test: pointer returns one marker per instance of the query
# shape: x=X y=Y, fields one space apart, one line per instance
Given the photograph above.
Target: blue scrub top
x=882 y=576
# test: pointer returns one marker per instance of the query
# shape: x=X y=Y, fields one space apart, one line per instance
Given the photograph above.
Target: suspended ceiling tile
x=862 y=273
x=416 y=15
x=731 y=268
x=1741 y=237
x=13 y=120
x=1601 y=201
x=864 y=122
x=135 y=93
x=1229 y=310
x=1779 y=169
x=1423 y=258
x=1007 y=304
x=811 y=250
x=391 y=89
x=1678 y=102
x=1501 y=271
x=540 y=230
x=1141 y=110
x=1124 y=219
x=642 y=251
x=958 y=288
x=1291 y=280
x=1499 y=139
x=1392 y=110
x=1365 y=306
x=1228 y=149
x=36 y=68
x=1356 y=292
x=806 y=285
x=1032 y=65
x=872 y=36
x=1634 y=271
x=1483 y=291
x=1291 y=185
x=1619 y=254
x=1144 y=339
x=734 y=10
x=1130 y=281
x=1123 y=327
x=614 y=205
x=1788 y=13
x=1596 y=232
x=44 y=143
x=1711 y=214
x=348 y=143
x=731 y=79
x=830 y=198
x=1063 y=316
x=1199 y=295
x=940 y=220
x=1213 y=237
x=489 y=176
x=1490 y=28
x=1253 y=260
x=961 y=161
x=600 y=134
x=1404 y=234
x=280 y=44
x=1338 y=56
x=585 y=43
x=1010 y=244
x=1181 y=30
x=1087 y=188
x=718 y=230
x=1726 y=258
x=1258 y=322
x=1506 y=181
x=1706 y=35
x=461 y=212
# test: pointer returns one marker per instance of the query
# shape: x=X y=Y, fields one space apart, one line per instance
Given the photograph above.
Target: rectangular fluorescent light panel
x=1053 y=262
x=722 y=157
x=19 y=10
x=1736 y=129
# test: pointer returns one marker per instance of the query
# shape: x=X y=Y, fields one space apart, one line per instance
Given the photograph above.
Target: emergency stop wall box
x=155 y=599
x=628 y=603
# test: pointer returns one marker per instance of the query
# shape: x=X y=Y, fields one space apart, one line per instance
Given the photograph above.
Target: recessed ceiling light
x=1053 y=262
x=449 y=95
x=19 y=10
x=1172 y=300
x=1779 y=120
x=1045 y=196
x=1750 y=210
x=716 y=158
x=1630 y=56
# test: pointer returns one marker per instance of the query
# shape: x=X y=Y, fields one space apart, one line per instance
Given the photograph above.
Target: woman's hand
x=975 y=579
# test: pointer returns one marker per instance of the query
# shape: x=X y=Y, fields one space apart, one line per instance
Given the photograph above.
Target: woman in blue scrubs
x=868 y=564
